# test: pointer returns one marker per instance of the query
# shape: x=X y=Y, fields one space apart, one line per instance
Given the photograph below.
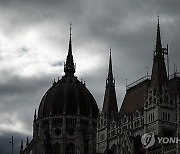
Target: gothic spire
x=159 y=74
x=110 y=64
x=158 y=53
x=110 y=79
x=110 y=101
x=70 y=42
x=69 y=67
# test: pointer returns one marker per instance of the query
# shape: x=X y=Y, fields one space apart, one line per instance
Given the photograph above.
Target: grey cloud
x=20 y=96
x=58 y=63
x=94 y=23
x=23 y=49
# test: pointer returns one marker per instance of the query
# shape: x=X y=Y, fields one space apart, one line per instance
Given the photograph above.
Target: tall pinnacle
x=110 y=101
x=158 y=51
x=70 y=42
x=110 y=64
x=69 y=67
x=110 y=80
x=159 y=75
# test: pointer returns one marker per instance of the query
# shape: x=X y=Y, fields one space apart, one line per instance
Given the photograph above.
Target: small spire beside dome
x=110 y=101
x=110 y=79
x=69 y=66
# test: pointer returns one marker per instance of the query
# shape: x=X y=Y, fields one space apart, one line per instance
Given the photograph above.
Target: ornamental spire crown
x=69 y=66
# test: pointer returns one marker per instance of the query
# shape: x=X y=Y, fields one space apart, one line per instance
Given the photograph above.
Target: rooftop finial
x=110 y=63
x=70 y=30
x=158 y=17
x=21 y=145
x=54 y=82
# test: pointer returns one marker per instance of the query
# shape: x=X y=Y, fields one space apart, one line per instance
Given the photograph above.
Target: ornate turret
x=110 y=101
x=69 y=66
x=159 y=74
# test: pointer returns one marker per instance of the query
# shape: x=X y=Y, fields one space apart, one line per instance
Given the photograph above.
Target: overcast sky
x=34 y=37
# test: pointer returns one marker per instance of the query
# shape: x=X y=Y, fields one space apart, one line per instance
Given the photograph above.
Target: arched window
x=56 y=148
x=70 y=148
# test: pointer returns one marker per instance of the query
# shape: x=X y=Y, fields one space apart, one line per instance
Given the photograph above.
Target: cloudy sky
x=34 y=37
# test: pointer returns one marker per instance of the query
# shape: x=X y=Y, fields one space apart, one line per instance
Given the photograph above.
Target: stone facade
x=62 y=134
x=66 y=119
x=151 y=104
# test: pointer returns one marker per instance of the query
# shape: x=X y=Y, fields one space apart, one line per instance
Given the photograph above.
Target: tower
x=64 y=120
x=110 y=107
x=150 y=105
x=159 y=104
x=107 y=118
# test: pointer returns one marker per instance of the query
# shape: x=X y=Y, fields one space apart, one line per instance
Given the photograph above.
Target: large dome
x=68 y=95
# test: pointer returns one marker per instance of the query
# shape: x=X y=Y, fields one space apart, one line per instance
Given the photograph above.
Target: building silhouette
x=66 y=119
x=69 y=122
x=151 y=104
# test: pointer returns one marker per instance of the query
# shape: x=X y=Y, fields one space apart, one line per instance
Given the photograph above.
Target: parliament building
x=68 y=120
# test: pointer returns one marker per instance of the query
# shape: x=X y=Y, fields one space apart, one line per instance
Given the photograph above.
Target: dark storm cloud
x=19 y=98
x=128 y=26
x=23 y=85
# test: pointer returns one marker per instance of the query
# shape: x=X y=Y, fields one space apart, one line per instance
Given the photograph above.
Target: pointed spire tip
x=69 y=67
x=110 y=79
x=158 y=51
x=70 y=29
